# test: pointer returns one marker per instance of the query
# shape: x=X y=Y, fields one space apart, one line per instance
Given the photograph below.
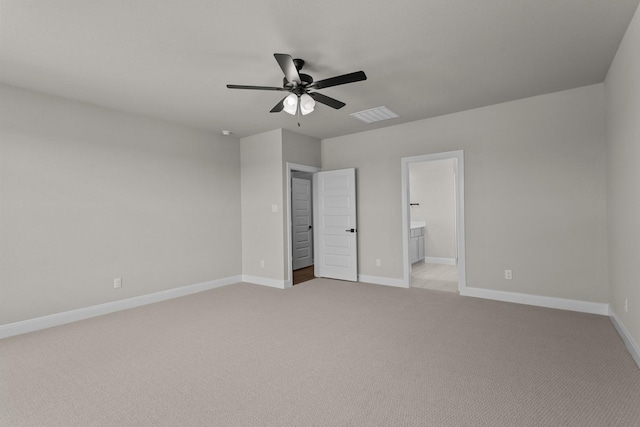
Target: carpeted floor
x=324 y=353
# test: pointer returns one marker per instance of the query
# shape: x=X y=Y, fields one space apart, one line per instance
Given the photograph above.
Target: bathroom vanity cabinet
x=416 y=242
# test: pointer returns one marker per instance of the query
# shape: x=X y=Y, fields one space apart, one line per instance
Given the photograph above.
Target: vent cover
x=375 y=114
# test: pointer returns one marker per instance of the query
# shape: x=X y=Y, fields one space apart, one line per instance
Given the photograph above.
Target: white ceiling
x=171 y=59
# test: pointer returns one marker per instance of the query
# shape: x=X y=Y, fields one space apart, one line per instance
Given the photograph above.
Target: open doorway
x=300 y=221
x=433 y=217
x=302 y=260
x=331 y=231
x=432 y=211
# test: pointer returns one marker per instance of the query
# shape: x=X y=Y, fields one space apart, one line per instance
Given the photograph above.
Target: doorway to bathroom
x=434 y=223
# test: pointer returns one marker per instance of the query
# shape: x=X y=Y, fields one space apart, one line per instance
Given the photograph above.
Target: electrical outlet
x=274 y=208
x=508 y=274
x=262 y=263
x=117 y=283
x=378 y=263
x=626 y=305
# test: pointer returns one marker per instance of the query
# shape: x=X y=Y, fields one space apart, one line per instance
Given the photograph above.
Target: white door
x=336 y=250
x=301 y=223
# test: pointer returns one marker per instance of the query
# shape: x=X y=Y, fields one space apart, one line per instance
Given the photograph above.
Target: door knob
x=351 y=230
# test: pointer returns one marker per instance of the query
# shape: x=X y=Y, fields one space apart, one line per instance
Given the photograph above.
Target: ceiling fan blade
x=326 y=100
x=288 y=67
x=279 y=106
x=339 y=80
x=255 y=87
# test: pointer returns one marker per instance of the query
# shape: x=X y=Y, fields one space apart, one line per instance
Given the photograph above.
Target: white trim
x=437 y=260
x=406 y=224
x=302 y=168
x=632 y=346
x=460 y=230
x=386 y=281
x=538 y=300
x=265 y=281
x=57 y=319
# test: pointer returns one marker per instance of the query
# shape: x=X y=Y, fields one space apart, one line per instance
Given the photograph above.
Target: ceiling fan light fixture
x=291 y=104
x=307 y=104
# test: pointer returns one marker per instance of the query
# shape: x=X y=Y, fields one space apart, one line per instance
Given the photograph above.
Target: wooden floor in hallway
x=303 y=275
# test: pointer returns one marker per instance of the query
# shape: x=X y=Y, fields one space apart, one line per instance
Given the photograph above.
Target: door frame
x=288 y=283
x=406 y=214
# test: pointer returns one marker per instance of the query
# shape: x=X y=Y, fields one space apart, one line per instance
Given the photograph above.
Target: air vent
x=375 y=115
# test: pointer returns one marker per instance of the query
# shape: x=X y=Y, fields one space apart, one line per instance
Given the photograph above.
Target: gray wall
x=534 y=191
x=622 y=87
x=265 y=234
x=302 y=150
x=262 y=229
x=89 y=194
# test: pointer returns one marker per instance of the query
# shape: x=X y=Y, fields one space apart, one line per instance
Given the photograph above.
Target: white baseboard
x=436 y=260
x=264 y=281
x=386 y=281
x=57 y=319
x=537 y=300
x=632 y=346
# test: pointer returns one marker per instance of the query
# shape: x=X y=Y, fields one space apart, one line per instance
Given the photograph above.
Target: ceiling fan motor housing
x=299 y=63
x=305 y=80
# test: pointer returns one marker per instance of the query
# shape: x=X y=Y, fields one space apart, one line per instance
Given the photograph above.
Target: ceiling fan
x=302 y=99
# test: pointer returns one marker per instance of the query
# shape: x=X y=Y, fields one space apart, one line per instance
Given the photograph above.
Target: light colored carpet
x=438 y=277
x=325 y=353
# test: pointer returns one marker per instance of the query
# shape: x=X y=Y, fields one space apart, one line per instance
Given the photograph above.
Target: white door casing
x=335 y=235
x=301 y=229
